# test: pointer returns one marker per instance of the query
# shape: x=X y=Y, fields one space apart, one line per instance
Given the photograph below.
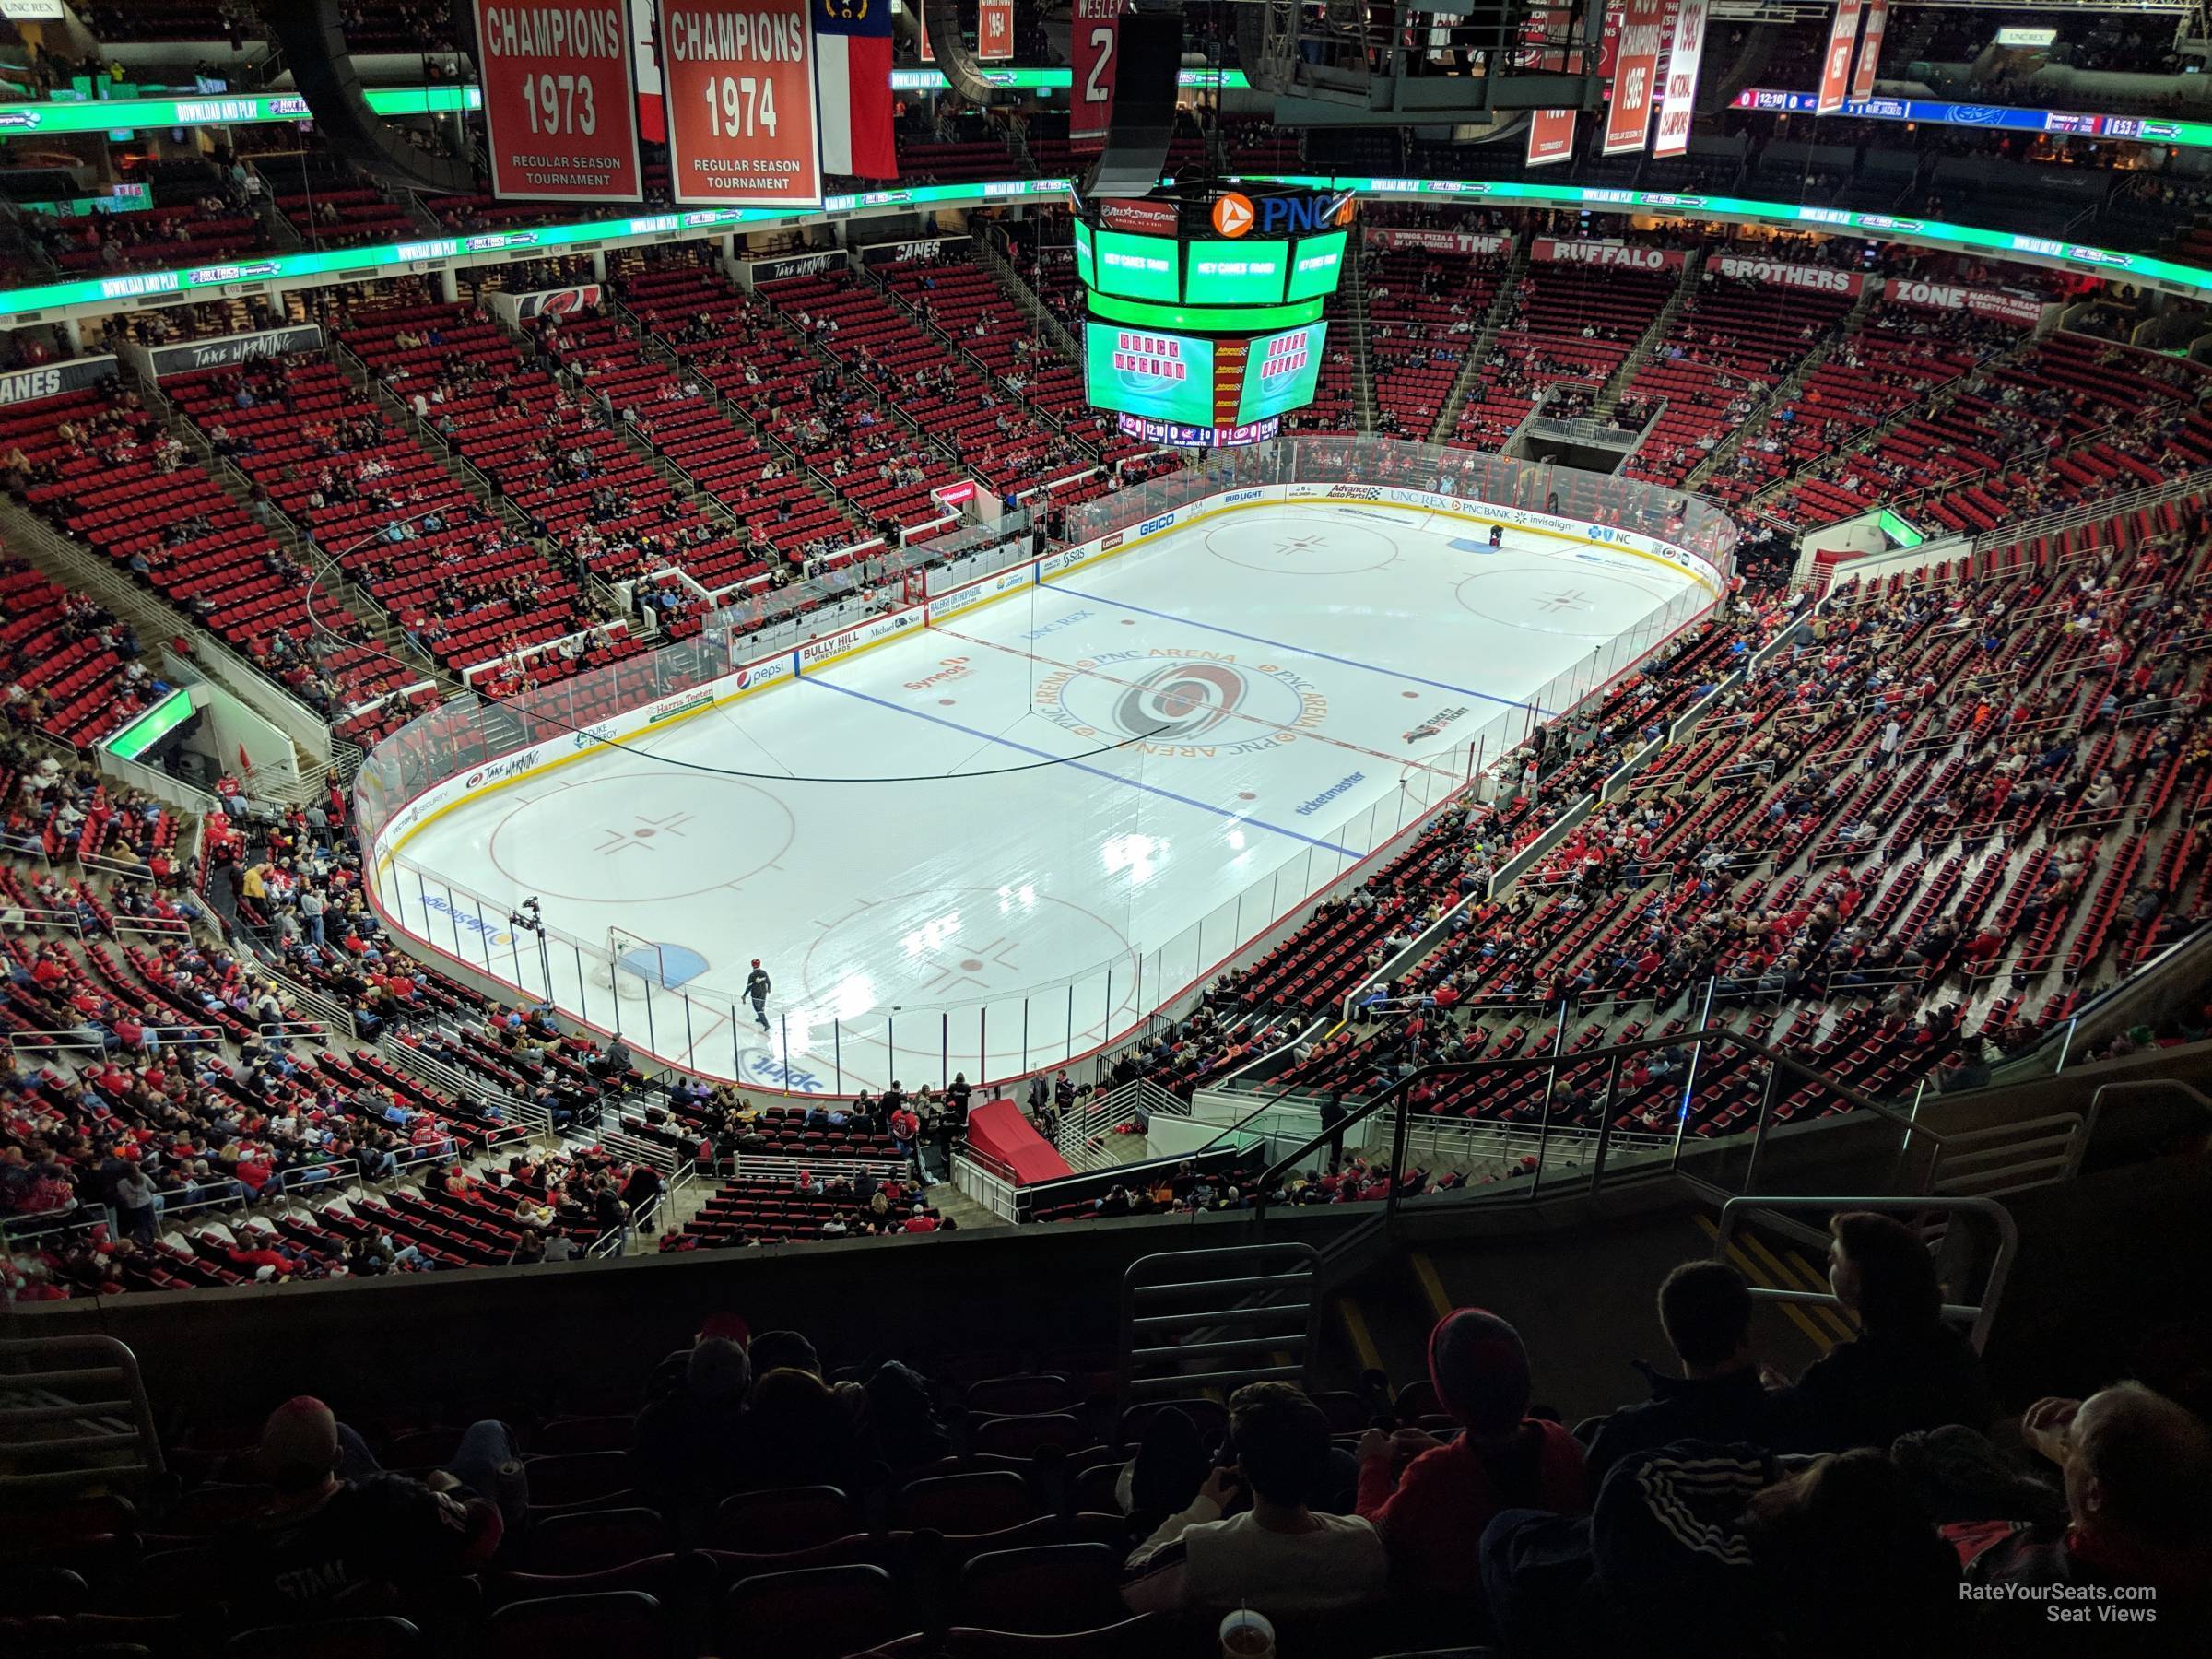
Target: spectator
x=1697 y=1551
x=1906 y=1368
x=1278 y=1556
x=1705 y=1309
x=798 y=1431
x=340 y=1536
x=2138 y=1486
x=1432 y=1515
x=691 y=1443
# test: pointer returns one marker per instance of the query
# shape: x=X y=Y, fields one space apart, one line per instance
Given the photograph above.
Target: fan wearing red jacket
x=1431 y=1511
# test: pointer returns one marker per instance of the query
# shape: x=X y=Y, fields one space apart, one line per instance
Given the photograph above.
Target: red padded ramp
x=998 y=1130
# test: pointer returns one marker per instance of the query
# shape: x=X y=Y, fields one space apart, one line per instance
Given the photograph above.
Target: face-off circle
x=1290 y=543
x=951 y=945
x=638 y=832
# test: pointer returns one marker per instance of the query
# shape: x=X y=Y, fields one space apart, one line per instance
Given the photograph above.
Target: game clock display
x=1204 y=304
x=1190 y=437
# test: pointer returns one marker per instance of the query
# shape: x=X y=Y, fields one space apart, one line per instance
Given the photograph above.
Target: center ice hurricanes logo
x=1180 y=701
x=1188 y=704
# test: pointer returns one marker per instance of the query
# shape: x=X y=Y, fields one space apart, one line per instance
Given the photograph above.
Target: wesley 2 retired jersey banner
x=739 y=84
x=1094 y=51
x=560 y=120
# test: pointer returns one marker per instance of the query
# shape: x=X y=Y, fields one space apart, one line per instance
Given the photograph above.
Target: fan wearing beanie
x=1431 y=1498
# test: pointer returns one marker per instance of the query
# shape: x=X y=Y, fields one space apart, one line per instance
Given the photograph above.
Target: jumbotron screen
x=1208 y=273
x=1186 y=380
x=1206 y=307
x=1281 y=373
x=1147 y=371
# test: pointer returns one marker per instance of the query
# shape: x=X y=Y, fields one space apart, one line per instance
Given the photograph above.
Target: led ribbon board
x=92 y=295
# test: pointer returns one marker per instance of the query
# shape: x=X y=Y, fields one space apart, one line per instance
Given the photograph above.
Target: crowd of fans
x=1880 y=1497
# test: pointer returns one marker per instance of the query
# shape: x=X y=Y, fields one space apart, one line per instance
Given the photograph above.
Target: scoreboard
x=1190 y=380
x=1205 y=325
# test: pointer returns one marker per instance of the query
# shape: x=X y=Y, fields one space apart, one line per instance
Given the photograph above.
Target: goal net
x=634 y=967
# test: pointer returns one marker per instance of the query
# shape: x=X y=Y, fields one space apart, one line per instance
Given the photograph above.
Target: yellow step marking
x=1794 y=1311
x=1784 y=1278
x=1432 y=1286
x=1364 y=1341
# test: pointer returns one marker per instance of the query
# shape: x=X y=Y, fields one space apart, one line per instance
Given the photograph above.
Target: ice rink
x=999 y=841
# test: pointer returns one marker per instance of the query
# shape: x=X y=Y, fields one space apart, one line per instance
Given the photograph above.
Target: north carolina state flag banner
x=1635 y=75
x=1678 y=102
x=995 y=30
x=1835 y=68
x=853 y=68
x=1094 y=52
x=1870 y=48
x=1550 y=132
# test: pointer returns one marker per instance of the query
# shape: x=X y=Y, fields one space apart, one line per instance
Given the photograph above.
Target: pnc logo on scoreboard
x=1234 y=214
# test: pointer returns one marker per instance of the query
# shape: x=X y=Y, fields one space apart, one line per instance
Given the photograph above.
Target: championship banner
x=922 y=49
x=1950 y=296
x=1094 y=51
x=995 y=30
x=1678 y=102
x=1773 y=273
x=738 y=83
x=1613 y=255
x=1835 y=68
x=1635 y=75
x=560 y=120
x=1870 y=48
x=1550 y=132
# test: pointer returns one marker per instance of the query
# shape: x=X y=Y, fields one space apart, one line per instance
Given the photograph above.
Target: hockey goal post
x=635 y=966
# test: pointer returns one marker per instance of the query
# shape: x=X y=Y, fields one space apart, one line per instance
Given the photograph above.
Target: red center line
x=1272 y=726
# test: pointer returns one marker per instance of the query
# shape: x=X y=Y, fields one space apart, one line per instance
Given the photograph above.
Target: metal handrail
x=1979 y=1316
x=115 y=1438
x=1158 y=1327
x=1398 y=1092
x=2195 y=1096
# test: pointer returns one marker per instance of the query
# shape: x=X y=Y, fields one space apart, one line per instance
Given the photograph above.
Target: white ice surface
x=930 y=897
